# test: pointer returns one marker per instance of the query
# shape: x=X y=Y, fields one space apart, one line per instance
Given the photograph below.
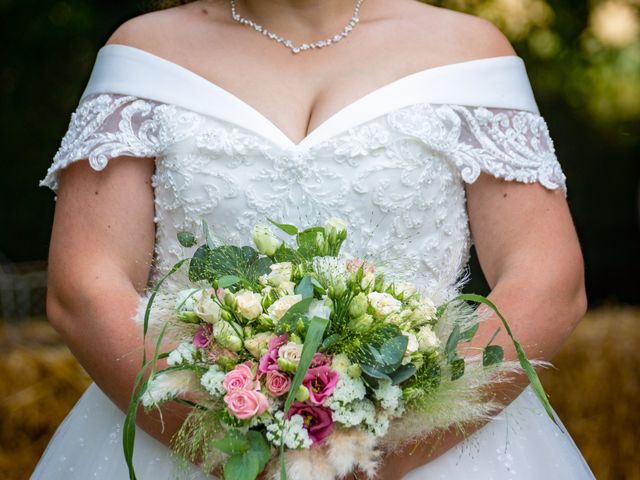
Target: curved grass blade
x=524 y=361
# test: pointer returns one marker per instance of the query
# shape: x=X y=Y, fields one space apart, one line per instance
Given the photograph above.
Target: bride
x=414 y=121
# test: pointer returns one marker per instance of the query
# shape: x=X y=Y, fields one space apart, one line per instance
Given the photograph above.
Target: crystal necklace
x=304 y=46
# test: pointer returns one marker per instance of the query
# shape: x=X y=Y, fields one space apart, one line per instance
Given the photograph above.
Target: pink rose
x=202 y=338
x=320 y=381
x=245 y=404
x=240 y=378
x=317 y=420
x=277 y=383
x=269 y=360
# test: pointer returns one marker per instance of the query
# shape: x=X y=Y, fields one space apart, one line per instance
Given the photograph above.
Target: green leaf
x=329 y=341
x=312 y=341
x=285 y=227
x=233 y=443
x=468 y=334
x=452 y=344
x=198 y=266
x=492 y=354
x=524 y=361
x=402 y=373
x=374 y=373
x=393 y=350
x=287 y=254
x=244 y=466
x=304 y=288
x=186 y=239
x=307 y=244
x=457 y=368
x=207 y=234
x=295 y=312
x=228 y=280
x=259 y=447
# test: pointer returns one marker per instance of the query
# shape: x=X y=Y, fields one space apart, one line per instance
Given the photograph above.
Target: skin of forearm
x=541 y=320
x=98 y=328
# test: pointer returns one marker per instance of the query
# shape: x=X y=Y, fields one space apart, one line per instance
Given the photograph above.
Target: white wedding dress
x=393 y=164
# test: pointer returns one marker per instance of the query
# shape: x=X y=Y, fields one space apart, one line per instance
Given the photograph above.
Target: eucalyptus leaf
x=492 y=354
x=452 y=344
x=402 y=373
x=304 y=287
x=374 y=372
x=394 y=349
x=468 y=334
x=457 y=368
x=186 y=239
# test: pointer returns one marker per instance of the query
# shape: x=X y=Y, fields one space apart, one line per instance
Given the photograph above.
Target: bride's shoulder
x=451 y=35
x=159 y=31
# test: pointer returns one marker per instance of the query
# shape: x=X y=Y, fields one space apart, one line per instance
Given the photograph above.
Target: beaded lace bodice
x=393 y=164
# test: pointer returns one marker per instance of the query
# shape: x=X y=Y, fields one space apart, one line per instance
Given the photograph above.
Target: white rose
x=425 y=310
x=291 y=352
x=278 y=308
x=207 y=308
x=427 y=339
x=287 y=288
x=249 y=304
x=227 y=336
x=280 y=272
x=412 y=346
x=383 y=304
x=258 y=344
x=340 y=363
x=335 y=226
x=406 y=288
x=265 y=240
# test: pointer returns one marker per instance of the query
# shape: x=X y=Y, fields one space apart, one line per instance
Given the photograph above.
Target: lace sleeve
x=507 y=143
x=105 y=126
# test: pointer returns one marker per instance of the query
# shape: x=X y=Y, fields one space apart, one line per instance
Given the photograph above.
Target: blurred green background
x=583 y=61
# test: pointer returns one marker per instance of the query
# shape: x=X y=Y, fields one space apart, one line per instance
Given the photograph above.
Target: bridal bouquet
x=298 y=358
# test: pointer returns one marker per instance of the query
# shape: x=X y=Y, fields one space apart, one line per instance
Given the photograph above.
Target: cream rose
x=206 y=308
x=249 y=304
x=291 y=352
x=278 y=308
x=383 y=304
x=280 y=272
x=427 y=339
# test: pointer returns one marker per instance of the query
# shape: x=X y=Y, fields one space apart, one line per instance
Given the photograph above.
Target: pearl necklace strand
x=303 y=46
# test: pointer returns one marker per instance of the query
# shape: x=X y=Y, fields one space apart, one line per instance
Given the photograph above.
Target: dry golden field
x=595 y=389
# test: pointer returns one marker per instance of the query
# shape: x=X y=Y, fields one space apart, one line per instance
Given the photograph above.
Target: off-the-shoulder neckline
x=382 y=99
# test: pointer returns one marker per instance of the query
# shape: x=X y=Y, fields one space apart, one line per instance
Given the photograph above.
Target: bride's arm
x=99 y=261
x=530 y=255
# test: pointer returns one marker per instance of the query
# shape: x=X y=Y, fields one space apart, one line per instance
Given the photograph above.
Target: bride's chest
x=395 y=165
